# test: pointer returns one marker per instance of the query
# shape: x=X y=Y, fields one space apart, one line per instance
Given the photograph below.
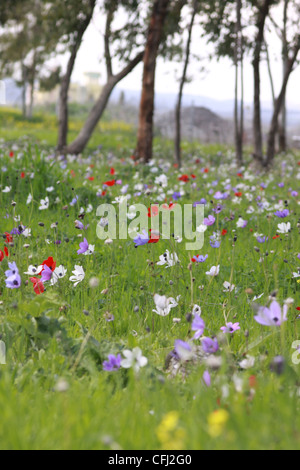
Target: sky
x=217 y=81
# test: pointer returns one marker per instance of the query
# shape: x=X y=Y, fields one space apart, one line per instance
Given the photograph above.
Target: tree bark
x=182 y=82
x=63 y=112
x=79 y=144
x=278 y=106
x=257 y=128
x=145 y=128
x=282 y=125
x=239 y=109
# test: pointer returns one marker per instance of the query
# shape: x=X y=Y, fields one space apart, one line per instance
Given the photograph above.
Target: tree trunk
x=182 y=82
x=63 y=111
x=79 y=144
x=257 y=128
x=238 y=109
x=145 y=128
x=279 y=102
x=24 y=90
x=285 y=56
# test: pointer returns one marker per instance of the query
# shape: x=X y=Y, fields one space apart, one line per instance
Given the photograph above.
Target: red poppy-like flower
x=224 y=232
x=298 y=308
x=154 y=237
x=50 y=263
x=169 y=207
x=153 y=211
x=175 y=165
x=184 y=178
x=1 y=256
x=110 y=183
x=276 y=236
x=73 y=174
x=11 y=154
x=38 y=286
x=112 y=171
x=91 y=178
x=193 y=176
x=240 y=175
x=6 y=252
x=22 y=175
x=103 y=193
x=238 y=194
x=206 y=170
x=9 y=238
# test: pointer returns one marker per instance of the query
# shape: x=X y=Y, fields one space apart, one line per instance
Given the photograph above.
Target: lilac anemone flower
x=198 y=326
x=272 y=316
x=113 y=363
x=84 y=246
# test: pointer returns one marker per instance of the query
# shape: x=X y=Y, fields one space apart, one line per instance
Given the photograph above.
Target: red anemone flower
x=38 y=286
x=238 y=194
x=154 y=237
x=112 y=171
x=110 y=183
x=184 y=178
x=224 y=232
x=50 y=263
x=9 y=238
x=1 y=256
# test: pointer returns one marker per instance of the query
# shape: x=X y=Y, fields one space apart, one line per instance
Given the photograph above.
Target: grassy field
x=55 y=391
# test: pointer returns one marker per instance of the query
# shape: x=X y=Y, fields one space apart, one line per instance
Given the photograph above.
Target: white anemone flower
x=134 y=359
x=214 y=271
x=34 y=270
x=284 y=227
x=164 y=304
x=44 y=204
x=79 y=275
x=170 y=259
x=58 y=273
x=228 y=287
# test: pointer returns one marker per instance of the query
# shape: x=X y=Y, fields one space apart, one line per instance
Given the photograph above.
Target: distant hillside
x=197 y=123
x=167 y=101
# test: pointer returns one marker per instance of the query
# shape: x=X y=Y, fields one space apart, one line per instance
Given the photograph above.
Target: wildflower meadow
x=139 y=343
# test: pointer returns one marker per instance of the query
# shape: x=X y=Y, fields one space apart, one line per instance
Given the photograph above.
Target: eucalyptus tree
x=124 y=44
x=177 y=147
x=225 y=26
x=164 y=26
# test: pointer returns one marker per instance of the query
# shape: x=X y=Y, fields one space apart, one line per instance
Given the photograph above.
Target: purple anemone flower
x=272 y=316
x=200 y=258
x=141 y=239
x=207 y=378
x=176 y=196
x=46 y=273
x=84 y=246
x=231 y=328
x=113 y=363
x=210 y=220
x=210 y=346
x=282 y=214
x=261 y=239
x=12 y=271
x=13 y=282
x=198 y=325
